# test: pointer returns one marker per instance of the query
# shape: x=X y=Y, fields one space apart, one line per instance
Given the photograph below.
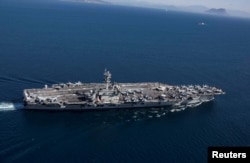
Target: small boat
x=206 y=98
x=202 y=23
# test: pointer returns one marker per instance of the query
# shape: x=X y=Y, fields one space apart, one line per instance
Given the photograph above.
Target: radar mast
x=107 y=77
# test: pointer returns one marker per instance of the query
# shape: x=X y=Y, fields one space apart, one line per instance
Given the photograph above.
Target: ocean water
x=52 y=42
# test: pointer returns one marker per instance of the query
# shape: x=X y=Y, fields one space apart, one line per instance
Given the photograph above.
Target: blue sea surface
x=53 y=42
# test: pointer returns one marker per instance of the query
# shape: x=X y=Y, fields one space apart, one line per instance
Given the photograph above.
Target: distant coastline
x=219 y=11
x=191 y=8
x=88 y=1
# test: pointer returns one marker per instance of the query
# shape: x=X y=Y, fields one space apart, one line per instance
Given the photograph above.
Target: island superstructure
x=108 y=95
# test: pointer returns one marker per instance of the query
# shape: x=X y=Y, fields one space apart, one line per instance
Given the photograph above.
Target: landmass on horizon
x=89 y=1
x=190 y=8
x=219 y=11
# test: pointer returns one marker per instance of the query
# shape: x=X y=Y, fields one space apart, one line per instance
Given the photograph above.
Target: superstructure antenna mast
x=107 y=77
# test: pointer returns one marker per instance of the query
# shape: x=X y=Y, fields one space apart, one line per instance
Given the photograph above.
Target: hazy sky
x=243 y=5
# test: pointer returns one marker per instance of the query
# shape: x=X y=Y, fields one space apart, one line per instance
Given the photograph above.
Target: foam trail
x=7 y=106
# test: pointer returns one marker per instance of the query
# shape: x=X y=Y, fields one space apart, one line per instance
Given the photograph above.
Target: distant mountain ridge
x=219 y=11
x=88 y=1
x=190 y=8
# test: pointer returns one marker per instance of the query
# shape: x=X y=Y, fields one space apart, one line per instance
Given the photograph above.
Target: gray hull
x=105 y=107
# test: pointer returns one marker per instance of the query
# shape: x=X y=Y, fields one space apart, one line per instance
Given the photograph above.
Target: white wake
x=6 y=106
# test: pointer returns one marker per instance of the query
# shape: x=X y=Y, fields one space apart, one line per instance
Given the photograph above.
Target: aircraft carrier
x=107 y=95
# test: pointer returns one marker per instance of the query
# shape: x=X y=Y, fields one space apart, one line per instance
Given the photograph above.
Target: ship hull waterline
x=88 y=108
